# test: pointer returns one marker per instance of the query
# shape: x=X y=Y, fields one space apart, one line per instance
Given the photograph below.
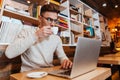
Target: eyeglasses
x=50 y=20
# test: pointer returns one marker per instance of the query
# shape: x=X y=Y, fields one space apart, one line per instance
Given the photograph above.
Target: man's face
x=49 y=18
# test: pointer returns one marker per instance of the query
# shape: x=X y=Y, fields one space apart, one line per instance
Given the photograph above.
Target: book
x=55 y=2
x=1 y=2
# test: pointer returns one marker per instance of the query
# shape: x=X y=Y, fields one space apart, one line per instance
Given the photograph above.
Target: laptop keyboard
x=66 y=72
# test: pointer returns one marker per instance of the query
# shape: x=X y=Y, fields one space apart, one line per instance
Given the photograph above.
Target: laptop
x=85 y=58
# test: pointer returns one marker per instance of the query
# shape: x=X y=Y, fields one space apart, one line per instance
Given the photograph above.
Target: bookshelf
x=76 y=19
x=89 y=21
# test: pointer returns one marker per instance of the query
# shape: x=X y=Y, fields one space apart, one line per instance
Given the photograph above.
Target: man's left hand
x=66 y=64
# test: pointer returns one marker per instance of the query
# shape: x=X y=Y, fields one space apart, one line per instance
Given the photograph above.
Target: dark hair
x=50 y=8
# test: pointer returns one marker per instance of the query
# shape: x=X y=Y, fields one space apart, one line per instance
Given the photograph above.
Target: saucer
x=37 y=74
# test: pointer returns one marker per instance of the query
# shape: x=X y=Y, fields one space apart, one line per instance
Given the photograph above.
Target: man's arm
x=23 y=41
x=65 y=62
x=26 y=39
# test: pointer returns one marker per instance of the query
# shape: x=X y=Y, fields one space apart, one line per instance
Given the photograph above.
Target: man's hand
x=66 y=64
x=44 y=32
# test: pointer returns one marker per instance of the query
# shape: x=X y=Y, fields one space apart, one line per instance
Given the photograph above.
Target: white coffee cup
x=54 y=30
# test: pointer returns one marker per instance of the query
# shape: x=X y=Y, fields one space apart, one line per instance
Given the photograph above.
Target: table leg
x=119 y=70
x=109 y=78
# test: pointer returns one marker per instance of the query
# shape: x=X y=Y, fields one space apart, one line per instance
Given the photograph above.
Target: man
x=107 y=36
x=37 y=46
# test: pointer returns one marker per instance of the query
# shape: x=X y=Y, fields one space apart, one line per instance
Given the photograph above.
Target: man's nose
x=52 y=23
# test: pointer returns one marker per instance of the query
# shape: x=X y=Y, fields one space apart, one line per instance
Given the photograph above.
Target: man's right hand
x=43 y=32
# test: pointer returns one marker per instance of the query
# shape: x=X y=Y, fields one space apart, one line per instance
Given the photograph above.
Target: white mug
x=54 y=30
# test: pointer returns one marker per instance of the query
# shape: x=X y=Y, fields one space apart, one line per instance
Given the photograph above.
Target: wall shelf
x=20 y=16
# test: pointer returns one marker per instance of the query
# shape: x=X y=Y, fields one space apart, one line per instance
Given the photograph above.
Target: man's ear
x=39 y=18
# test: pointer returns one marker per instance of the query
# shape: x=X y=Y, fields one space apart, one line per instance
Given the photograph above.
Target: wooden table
x=110 y=62
x=99 y=73
x=112 y=55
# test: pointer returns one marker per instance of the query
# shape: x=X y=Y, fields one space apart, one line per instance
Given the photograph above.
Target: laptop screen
x=86 y=56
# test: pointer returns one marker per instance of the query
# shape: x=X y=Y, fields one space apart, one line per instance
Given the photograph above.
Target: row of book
x=76 y=28
x=9 y=31
x=63 y=22
x=26 y=9
x=87 y=20
x=76 y=17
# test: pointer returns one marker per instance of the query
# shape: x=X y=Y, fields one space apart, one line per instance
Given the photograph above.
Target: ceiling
x=109 y=11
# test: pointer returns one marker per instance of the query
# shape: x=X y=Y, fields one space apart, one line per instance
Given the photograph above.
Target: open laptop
x=85 y=58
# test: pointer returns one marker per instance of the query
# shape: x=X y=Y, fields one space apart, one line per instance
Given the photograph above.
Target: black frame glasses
x=50 y=20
